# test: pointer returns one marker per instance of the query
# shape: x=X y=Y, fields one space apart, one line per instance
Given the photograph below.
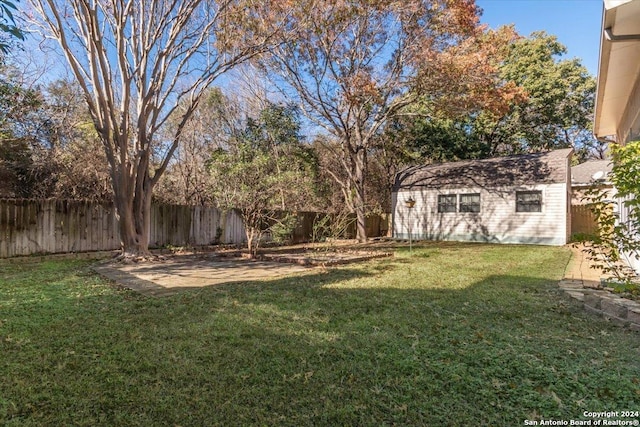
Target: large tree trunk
x=134 y=234
x=359 y=199
x=361 y=219
x=135 y=62
x=133 y=189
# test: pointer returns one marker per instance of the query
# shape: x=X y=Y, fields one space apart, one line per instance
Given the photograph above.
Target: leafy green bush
x=618 y=233
x=582 y=237
x=282 y=230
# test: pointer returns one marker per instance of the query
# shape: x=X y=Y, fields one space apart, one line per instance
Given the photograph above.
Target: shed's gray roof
x=582 y=174
x=526 y=169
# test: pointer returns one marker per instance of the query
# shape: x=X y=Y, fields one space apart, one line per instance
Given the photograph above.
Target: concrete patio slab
x=167 y=277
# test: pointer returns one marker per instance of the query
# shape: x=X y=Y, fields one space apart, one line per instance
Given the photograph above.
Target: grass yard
x=457 y=334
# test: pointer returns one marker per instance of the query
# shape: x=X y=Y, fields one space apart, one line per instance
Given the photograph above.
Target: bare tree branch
x=140 y=62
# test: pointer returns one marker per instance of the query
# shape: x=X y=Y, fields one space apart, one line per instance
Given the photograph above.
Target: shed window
x=528 y=201
x=470 y=202
x=447 y=203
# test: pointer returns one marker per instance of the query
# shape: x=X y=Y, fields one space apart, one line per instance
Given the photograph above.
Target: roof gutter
x=608 y=34
x=605 y=139
x=619 y=42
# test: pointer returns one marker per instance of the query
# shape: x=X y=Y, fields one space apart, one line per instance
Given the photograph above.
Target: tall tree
x=140 y=62
x=553 y=111
x=81 y=169
x=187 y=180
x=354 y=65
x=264 y=171
x=25 y=137
x=560 y=100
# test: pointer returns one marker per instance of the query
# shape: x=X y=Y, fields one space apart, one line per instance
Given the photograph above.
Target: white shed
x=515 y=199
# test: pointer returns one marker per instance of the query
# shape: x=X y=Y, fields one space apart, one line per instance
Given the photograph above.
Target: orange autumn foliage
x=355 y=65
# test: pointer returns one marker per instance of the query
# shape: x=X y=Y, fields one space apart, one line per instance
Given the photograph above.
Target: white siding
x=497 y=220
x=624 y=212
x=629 y=131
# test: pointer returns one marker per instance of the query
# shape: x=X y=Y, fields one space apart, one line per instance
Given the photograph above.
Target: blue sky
x=576 y=23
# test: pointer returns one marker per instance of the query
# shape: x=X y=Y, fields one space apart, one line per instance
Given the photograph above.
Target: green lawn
x=457 y=334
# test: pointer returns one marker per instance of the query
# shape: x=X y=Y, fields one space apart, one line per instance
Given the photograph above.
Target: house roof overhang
x=619 y=64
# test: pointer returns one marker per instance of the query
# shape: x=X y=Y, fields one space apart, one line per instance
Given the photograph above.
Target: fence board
x=59 y=214
x=3 y=231
x=57 y=226
x=11 y=223
x=196 y=224
x=582 y=220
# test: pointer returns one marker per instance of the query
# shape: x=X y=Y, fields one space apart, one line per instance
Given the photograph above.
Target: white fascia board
x=612 y=4
x=619 y=65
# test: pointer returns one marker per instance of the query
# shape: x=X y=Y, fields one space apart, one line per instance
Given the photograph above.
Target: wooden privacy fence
x=30 y=227
x=583 y=220
x=376 y=225
x=57 y=226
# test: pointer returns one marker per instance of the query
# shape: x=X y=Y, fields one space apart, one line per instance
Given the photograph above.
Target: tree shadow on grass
x=371 y=355
x=350 y=346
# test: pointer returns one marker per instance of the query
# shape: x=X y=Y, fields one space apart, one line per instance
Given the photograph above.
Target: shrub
x=618 y=235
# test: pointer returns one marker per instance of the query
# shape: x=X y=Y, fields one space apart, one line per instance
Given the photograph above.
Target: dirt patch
x=175 y=273
x=319 y=254
x=325 y=258
x=171 y=273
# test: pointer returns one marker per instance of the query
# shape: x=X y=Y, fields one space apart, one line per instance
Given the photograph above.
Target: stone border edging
x=97 y=255
x=303 y=259
x=619 y=311
x=326 y=263
x=108 y=254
